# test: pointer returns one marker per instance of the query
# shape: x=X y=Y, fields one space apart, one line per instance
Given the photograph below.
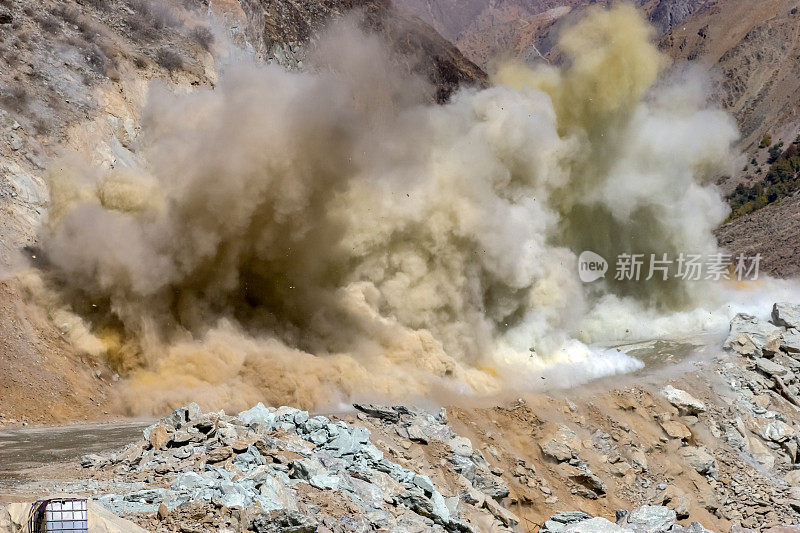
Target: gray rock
x=439 y=508
x=284 y=522
x=770 y=368
x=786 y=315
x=417 y=434
x=589 y=479
x=249 y=460
x=257 y=415
x=685 y=402
x=505 y=516
x=184 y=415
x=15 y=141
x=595 y=525
x=274 y=492
x=227 y=435
x=379 y=411
x=93 y=460
x=180 y=438
x=699 y=459
x=559 y=522
x=461 y=446
x=559 y=445
x=230 y=494
x=146 y=496
x=650 y=519
x=324 y=481
x=423 y=482
x=750 y=336
x=771 y=429
x=790 y=341
x=416 y=500
x=190 y=481
x=348 y=442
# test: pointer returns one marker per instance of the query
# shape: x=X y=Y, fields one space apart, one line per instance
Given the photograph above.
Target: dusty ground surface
x=730 y=461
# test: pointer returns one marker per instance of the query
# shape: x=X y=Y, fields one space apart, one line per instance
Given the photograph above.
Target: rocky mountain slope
x=485 y=30
x=712 y=440
x=717 y=445
x=75 y=77
x=281 y=30
x=752 y=52
x=755 y=52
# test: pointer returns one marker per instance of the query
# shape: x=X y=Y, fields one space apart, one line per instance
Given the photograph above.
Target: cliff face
x=484 y=30
x=74 y=76
x=281 y=31
x=755 y=53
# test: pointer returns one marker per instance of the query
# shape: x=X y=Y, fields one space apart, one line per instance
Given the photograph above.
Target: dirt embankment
x=717 y=446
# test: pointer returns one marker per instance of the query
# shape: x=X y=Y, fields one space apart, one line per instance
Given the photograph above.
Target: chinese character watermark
x=685 y=266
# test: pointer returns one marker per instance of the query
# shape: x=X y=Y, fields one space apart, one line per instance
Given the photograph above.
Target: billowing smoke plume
x=311 y=237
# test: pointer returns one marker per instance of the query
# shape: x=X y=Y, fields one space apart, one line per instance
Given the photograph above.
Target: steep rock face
x=280 y=30
x=484 y=30
x=756 y=52
x=668 y=14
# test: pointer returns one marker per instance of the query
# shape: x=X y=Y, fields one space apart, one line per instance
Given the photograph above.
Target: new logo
x=591 y=266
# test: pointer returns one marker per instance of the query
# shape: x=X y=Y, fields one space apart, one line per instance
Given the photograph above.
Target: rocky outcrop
x=281 y=30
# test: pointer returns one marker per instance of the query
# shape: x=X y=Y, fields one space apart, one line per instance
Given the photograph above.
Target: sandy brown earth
x=42 y=379
x=624 y=431
x=773 y=232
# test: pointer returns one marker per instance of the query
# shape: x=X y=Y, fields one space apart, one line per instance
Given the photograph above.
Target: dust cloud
x=315 y=237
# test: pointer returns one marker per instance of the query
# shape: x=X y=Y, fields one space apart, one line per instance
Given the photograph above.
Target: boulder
x=348 y=442
x=750 y=336
x=93 y=460
x=790 y=341
x=159 y=437
x=559 y=522
x=699 y=459
x=786 y=315
x=185 y=415
x=770 y=368
x=677 y=500
x=675 y=429
x=379 y=411
x=561 y=445
x=179 y=438
x=257 y=415
x=595 y=525
x=461 y=446
x=217 y=455
x=771 y=429
x=685 y=402
x=230 y=494
x=505 y=516
x=284 y=522
x=649 y=519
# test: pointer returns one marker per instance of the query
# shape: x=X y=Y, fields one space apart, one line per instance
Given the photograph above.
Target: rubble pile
x=266 y=467
x=645 y=519
x=721 y=450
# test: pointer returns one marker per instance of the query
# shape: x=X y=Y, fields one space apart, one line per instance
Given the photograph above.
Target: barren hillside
x=78 y=75
x=414 y=242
